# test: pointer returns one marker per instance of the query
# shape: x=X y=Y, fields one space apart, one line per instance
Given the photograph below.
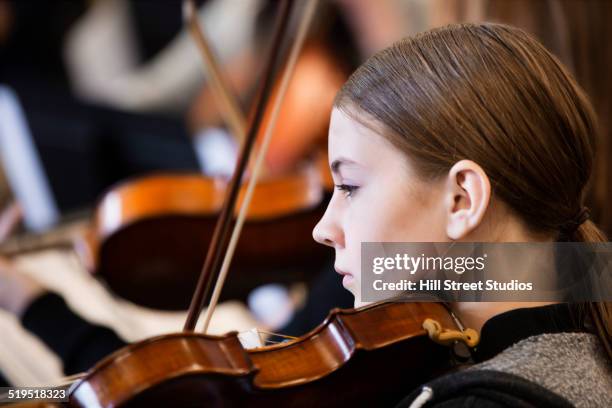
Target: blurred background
x=110 y=89
x=115 y=155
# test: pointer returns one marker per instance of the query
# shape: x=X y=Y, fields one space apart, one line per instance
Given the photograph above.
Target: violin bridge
x=252 y=338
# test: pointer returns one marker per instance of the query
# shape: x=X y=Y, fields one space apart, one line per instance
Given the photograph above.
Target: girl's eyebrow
x=336 y=164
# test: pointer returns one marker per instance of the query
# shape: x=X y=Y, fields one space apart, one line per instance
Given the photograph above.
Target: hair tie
x=572 y=225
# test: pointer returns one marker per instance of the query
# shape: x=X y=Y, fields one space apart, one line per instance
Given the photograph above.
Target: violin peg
x=447 y=337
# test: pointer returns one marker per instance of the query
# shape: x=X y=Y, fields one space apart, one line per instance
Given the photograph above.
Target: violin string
x=270 y=342
x=455 y=318
x=73 y=377
x=230 y=109
x=284 y=336
x=295 y=51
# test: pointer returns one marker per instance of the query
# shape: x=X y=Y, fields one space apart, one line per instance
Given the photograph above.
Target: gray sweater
x=572 y=365
x=531 y=357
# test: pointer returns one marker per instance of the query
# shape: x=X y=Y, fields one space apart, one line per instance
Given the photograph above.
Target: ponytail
x=599 y=312
x=589 y=232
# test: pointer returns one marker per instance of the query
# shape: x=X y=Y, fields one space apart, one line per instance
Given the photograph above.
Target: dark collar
x=504 y=330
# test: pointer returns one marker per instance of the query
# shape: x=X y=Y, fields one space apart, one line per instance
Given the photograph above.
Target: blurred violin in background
x=149 y=234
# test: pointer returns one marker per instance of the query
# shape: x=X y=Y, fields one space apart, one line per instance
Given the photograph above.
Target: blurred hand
x=17 y=290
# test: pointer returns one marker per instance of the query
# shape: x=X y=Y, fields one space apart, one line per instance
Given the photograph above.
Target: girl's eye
x=348 y=190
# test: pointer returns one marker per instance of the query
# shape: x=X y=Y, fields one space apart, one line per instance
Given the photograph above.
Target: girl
x=475 y=133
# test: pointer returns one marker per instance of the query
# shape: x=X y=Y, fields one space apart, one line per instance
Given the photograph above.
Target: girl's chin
x=348 y=281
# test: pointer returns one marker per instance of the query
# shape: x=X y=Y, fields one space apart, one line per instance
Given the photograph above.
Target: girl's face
x=378 y=198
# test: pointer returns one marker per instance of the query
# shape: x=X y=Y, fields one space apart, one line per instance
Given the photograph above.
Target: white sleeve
x=171 y=79
x=22 y=165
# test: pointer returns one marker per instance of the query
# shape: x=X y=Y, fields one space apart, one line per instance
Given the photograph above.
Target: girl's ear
x=466 y=198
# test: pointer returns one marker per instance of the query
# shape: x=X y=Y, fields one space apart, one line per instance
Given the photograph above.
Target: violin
x=147 y=237
x=367 y=356
x=372 y=356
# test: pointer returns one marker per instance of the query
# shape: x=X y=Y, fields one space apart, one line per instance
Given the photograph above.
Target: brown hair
x=574 y=31
x=492 y=94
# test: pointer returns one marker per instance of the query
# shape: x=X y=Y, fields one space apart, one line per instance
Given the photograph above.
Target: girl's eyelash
x=347 y=189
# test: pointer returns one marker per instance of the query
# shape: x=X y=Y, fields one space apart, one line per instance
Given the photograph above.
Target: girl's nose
x=327 y=232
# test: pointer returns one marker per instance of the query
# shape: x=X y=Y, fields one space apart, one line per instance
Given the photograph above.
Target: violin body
x=371 y=356
x=150 y=234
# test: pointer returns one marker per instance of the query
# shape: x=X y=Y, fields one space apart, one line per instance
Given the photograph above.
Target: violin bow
x=229 y=107
x=213 y=256
x=296 y=48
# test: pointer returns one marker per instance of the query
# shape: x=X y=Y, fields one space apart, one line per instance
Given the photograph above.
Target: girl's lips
x=347 y=279
x=341 y=272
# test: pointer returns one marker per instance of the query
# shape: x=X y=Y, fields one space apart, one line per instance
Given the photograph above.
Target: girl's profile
x=475 y=133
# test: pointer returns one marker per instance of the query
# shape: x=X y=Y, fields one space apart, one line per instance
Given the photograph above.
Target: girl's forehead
x=346 y=134
x=350 y=140
x=343 y=122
